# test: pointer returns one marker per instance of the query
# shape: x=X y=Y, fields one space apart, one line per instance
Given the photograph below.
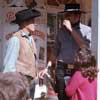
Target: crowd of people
x=73 y=54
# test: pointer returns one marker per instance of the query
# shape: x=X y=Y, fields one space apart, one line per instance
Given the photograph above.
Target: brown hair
x=85 y=62
x=13 y=86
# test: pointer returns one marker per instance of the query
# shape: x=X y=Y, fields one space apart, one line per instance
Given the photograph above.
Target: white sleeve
x=12 y=54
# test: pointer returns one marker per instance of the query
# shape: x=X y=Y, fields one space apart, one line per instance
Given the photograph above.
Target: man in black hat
x=21 y=51
x=71 y=36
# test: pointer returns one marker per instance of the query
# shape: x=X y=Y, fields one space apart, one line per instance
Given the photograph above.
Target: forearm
x=77 y=38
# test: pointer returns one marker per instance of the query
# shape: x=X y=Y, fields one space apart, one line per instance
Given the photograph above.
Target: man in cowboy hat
x=71 y=36
x=21 y=51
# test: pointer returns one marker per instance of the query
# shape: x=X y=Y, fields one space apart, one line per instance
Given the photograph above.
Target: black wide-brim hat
x=26 y=14
x=72 y=8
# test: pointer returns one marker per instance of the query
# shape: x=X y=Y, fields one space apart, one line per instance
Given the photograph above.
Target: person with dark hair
x=13 y=86
x=83 y=83
x=71 y=36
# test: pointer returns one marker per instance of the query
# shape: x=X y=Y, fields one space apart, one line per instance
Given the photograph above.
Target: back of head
x=85 y=62
x=13 y=86
x=85 y=58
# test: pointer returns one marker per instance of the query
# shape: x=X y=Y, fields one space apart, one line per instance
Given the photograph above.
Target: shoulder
x=86 y=31
x=78 y=77
x=77 y=74
x=62 y=31
x=13 y=39
x=10 y=35
x=63 y=28
x=17 y=34
x=85 y=26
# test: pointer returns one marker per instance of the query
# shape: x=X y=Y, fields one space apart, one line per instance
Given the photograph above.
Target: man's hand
x=74 y=34
x=67 y=24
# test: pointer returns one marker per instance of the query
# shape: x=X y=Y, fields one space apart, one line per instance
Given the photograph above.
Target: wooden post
x=96 y=37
